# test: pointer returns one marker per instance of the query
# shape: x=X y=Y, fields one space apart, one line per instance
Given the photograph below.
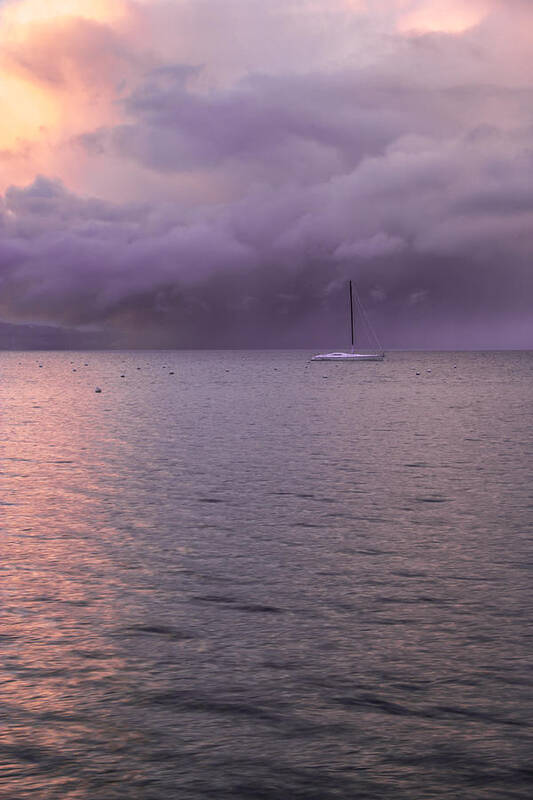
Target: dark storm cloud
x=421 y=226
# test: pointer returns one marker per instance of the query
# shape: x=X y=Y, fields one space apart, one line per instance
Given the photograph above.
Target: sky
x=210 y=173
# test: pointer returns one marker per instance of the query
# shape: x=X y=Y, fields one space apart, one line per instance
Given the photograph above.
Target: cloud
x=447 y=16
x=215 y=180
x=413 y=221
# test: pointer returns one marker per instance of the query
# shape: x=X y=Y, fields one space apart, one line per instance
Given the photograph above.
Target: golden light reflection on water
x=60 y=588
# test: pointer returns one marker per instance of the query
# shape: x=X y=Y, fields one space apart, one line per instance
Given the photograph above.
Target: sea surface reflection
x=241 y=575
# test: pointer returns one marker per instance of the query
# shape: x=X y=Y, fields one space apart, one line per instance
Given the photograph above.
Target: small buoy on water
x=428 y=370
x=122 y=376
x=171 y=373
x=417 y=373
x=98 y=390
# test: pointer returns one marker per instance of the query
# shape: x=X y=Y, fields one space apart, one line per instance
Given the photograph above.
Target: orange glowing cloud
x=31 y=111
x=60 y=65
x=440 y=16
x=19 y=13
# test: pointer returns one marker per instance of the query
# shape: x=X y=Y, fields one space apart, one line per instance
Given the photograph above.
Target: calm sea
x=242 y=575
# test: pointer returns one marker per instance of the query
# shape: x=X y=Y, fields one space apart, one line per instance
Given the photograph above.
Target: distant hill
x=48 y=337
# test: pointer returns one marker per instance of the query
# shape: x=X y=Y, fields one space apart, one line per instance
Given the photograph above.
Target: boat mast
x=351 y=317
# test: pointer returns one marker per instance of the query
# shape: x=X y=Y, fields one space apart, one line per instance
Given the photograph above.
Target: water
x=266 y=579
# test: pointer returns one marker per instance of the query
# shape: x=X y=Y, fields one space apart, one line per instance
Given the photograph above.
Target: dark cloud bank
x=417 y=186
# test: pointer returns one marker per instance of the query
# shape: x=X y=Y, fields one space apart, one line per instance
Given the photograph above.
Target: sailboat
x=353 y=356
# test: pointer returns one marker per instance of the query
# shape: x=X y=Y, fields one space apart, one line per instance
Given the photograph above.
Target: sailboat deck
x=349 y=357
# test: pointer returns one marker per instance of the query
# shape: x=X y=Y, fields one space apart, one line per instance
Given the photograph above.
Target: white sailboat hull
x=349 y=357
x=353 y=356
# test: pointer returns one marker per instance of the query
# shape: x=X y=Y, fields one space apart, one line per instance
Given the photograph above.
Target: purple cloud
x=409 y=172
